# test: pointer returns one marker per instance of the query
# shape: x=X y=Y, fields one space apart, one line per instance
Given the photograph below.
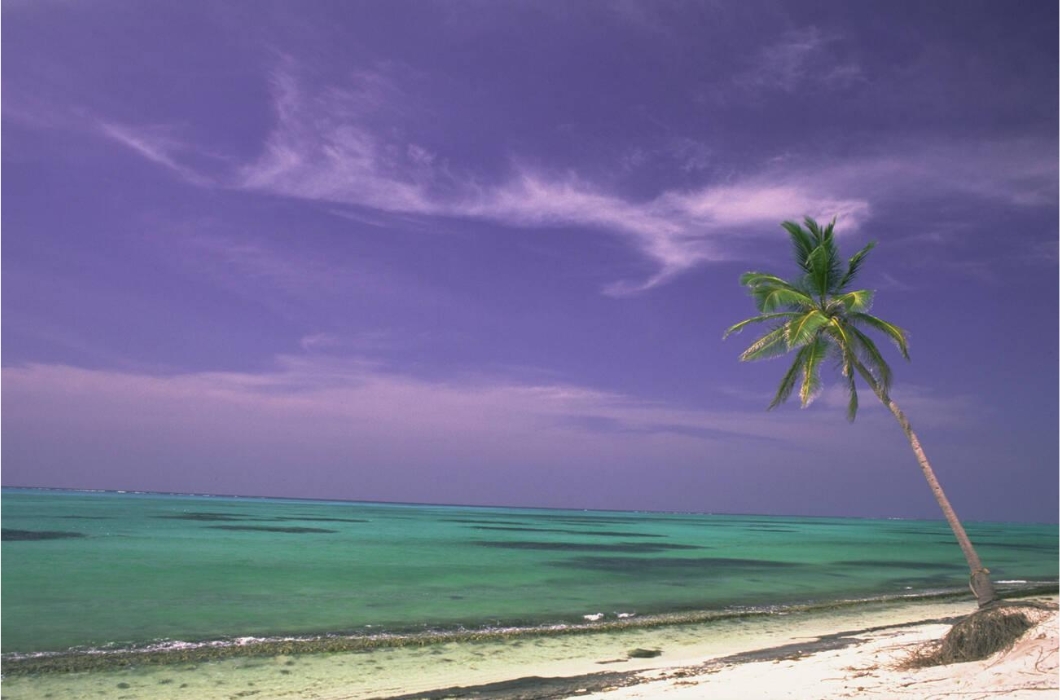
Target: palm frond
x=801 y=241
x=758 y=319
x=871 y=358
x=858 y=300
x=892 y=331
x=814 y=354
x=771 y=292
x=752 y=279
x=821 y=270
x=769 y=345
x=787 y=384
x=852 y=388
x=769 y=298
x=814 y=229
x=854 y=265
x=837 y=329
x=829 y=230
x=802 y=329
x=835 y=267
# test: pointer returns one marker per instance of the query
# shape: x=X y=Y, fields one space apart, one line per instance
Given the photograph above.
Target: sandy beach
x=871 y=667
x=850 y=653
x=814 y=664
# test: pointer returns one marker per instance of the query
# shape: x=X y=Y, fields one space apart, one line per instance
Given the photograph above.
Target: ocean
x=94 y=577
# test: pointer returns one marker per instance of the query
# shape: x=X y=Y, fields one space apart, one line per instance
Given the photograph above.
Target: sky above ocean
x=484 y=252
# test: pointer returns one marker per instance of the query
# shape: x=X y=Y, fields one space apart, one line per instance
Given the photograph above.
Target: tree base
x=980 y=635
x=982 y=588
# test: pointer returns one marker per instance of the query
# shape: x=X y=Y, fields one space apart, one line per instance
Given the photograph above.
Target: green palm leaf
x=758 y=319
x=865 y=350
x=889 y=329
x=802 y=243
x=787 y=384
x=859 y=300
x=855 y=264
x=817 y=317
x=771 y=298
x=771 y=344
x=852 y=391
x=771 y=292
x=802 y=329
x=811 y=370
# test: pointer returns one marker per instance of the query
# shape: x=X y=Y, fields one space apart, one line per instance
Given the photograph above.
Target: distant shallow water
x=104 y=574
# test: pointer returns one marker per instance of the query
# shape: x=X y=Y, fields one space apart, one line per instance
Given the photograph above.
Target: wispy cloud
x=800 y=59
x=323 y=426
x=339 y=146
x=364 y=401
x=157 y=145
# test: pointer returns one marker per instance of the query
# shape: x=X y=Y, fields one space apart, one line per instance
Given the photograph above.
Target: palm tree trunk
x=982 y=588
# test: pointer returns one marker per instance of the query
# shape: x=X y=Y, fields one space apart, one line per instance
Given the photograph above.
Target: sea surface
x=98 y=573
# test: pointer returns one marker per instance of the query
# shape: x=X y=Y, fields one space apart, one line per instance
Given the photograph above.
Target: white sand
x=869 y=669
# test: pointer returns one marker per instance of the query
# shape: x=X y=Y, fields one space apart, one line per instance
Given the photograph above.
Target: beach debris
x=982 y=634
x=639 y=653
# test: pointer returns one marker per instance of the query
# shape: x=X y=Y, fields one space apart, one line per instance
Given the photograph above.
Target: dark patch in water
x=592 y=533
x=764 y=528
x=474 y=521
x=264 y=528
x=624 y=547
x=36 y=535
x=1050 y=548
x=887 y=563
x=209 y=517
x=935 y=581
x=590 y=519
x=322 y=520
x=205 y=517
x=86 y=517
x=699 y=565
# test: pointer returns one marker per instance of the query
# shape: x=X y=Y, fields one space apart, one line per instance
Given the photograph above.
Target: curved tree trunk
x=980 y=583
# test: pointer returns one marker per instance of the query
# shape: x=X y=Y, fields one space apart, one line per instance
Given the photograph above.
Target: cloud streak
x=333 y=146
x=318 y=426
x=800 y=59
x=157 y=146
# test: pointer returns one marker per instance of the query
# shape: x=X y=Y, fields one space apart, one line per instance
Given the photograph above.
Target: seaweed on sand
x=982 y=634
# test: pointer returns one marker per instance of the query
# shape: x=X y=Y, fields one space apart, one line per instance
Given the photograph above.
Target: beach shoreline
x=852 y=663
x=867 y=664
x=851 y=646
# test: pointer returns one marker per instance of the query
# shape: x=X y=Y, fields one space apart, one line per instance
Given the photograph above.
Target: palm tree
x=817 y=316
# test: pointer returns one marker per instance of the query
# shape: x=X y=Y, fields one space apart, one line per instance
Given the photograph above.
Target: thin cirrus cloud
x=333 y=146
x=797 y=60
x=324 y=148
x=357 y=403
x=326 y=423
x=157 y=146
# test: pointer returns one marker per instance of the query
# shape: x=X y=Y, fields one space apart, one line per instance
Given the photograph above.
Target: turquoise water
x=106 y=570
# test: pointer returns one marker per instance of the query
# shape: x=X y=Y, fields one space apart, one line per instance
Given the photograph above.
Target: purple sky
x=484 y=252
